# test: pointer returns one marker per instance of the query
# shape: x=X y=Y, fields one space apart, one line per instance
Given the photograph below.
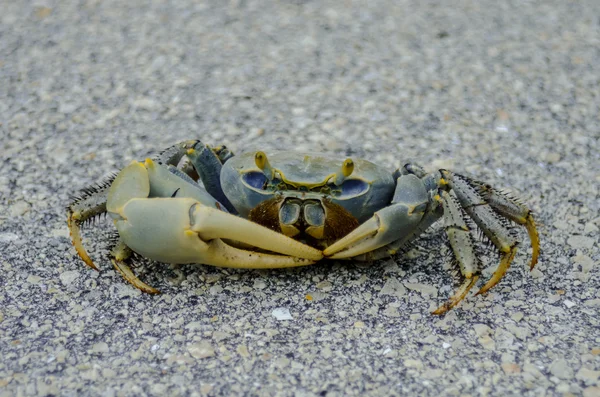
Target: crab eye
x=353 y=187
x=257 y=180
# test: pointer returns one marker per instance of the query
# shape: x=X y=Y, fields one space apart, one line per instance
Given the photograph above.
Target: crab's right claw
x=388 y=224
x=182 y=230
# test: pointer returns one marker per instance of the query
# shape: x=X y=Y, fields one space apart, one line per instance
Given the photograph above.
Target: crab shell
x=313 y=182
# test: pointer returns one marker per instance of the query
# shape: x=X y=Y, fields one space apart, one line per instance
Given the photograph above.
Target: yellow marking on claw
x=507 y=259
x=443 y=181
x=149 y=163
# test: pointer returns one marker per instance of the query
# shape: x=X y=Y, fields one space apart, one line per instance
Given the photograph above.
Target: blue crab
x=193 y=203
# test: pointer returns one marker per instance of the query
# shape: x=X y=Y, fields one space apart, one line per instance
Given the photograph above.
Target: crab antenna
x=260 y=158
x=344 y=172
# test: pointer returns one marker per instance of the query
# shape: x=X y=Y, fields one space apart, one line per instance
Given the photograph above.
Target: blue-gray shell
x=368 y=189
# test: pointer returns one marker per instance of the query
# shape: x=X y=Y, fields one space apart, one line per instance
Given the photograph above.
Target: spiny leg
x=173 y=154
x=461 y=242
x=89 y=203
x=488 y=221
x=515 y=211
x=120 y=254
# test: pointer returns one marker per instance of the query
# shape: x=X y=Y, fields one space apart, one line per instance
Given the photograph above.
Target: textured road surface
x=504 y=91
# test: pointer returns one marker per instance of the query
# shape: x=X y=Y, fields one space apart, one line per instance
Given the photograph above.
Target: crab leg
x=90 y=203
x=120 y=254
x=487 y=220
x=173 y=154
x=388 y=224
x=208 y=164
x=461 y=242
x=516 y=212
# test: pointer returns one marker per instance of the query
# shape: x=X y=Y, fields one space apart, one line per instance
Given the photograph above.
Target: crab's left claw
x=182 y=230
x=388 y=224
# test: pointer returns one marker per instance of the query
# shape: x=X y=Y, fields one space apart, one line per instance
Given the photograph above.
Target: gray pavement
x=508 y=92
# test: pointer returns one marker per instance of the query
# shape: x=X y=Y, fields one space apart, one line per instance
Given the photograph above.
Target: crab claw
x=388 y=224
x=182 y=230
x=385 y=226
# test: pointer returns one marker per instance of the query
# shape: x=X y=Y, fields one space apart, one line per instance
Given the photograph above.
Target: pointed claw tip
x=532 y=264
x=91 y=264
x=441 y=310
x=535 y=240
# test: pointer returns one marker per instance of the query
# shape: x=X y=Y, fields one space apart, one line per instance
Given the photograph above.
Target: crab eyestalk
x=262 y=162
x=344 y=172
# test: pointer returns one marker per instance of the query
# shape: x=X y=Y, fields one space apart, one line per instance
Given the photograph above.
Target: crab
x=193 y=203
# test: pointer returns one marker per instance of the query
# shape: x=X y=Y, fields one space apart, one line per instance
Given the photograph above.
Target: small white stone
x=588 y=376
x=422 y=288
x=446 y=345
x=585 y=262
x=590 y=228
x=393 y=287
x=32 y=279
x=201 y=350
x=418 y=364
x=100 y=347
x=8 y=237
x=592 y=391
x=282 y=313
x=259 y=284
x=482 y=330
x=18 y=209
x=581 y=242
x=145 y=103
x=68 y=277
x=592 y=303
x=561 y=369
x=569 y=304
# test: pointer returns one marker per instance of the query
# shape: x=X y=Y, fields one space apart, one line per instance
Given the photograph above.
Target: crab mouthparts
x=305 y=219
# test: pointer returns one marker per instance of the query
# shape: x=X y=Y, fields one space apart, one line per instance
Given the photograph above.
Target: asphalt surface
x=507 y=92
